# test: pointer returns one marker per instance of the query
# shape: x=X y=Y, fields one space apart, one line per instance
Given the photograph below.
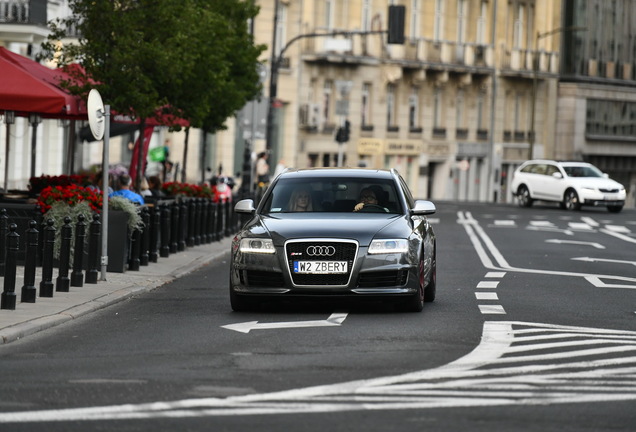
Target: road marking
x=505 y=223
x=515 y=364
x=486 y=296
x=488 y=284
x=335 y=319
x=559 y=241
x=619 y=235
x=589 y=259
x=495 y=274
x=618 y=229
x=588 y=220
x=492 y=309
x=485 y=248
x=581 y=226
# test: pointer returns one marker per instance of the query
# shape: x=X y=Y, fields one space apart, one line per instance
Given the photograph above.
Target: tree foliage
x=192 y=58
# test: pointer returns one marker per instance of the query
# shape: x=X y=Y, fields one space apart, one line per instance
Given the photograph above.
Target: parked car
x=386 y=249
x=572 y=184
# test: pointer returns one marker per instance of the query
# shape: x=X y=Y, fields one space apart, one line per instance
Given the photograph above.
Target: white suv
x=572 y=184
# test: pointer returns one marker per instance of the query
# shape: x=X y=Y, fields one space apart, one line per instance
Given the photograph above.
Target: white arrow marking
x=589 y=259
x=334 y=320
x=596 y=245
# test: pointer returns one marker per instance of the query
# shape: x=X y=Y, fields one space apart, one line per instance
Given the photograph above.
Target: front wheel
x=415 y=303
x=523 y=196
x=571 y=200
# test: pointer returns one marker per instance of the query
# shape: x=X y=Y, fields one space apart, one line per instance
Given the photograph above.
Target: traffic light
x=342 y=134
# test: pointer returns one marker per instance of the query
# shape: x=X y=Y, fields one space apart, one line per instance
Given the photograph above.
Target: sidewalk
x=46 y=312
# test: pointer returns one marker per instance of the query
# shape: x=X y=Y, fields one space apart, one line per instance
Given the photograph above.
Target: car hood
x=596 y=182
x=362 y=227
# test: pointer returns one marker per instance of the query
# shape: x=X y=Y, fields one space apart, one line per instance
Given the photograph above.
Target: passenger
x=300 y=201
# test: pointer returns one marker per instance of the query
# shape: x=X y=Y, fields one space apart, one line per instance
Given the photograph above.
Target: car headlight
x=257 y=245
x=387 y=246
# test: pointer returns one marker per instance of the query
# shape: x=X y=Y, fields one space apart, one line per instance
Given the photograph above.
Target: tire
x=431 y=287
x=615 y=208
x=415 y=303
x=571 y=200
x=523 y=197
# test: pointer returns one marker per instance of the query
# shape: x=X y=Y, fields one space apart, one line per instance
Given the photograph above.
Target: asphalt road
x=533 y=329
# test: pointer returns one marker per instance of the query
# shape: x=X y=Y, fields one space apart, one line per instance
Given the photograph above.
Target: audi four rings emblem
x=321 y=250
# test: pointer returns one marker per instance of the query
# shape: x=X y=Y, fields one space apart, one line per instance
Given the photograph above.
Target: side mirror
x=423 y=207
x=557 y=175
x=245 y=206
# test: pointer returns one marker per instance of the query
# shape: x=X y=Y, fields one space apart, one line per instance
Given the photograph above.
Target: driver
x=367 y=197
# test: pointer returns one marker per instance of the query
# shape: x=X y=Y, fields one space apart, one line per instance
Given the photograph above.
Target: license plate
x=611 y=197
x=320 y=267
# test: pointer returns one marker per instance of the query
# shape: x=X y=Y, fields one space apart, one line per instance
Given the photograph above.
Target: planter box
x=118 y=241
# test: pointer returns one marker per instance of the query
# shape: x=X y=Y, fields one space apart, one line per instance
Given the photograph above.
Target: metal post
x=77 y=279
x=63 y=282
x=165 y=231
x=105 y=167
x=8 y=297
x=145 y=237
x=4 y=229
x=273 y=82
x=46 y=284
x=93 y=251
x=29 y=293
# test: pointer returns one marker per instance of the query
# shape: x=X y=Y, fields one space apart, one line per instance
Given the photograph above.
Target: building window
x=414 y=103
x=329 y=6
x=481 y=23
x=437 y=108
x=366 y=105
x=366 y=15
x=390 y=106
x=414 y=30
x=438 y=29
x=327 y=92
x=460 y=109
x=462 y=15
x=281 y=26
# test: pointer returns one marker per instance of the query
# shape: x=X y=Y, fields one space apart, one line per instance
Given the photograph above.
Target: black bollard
x=145 y=237
x=197 y=222
x=204 y=217
x=77 y=277
x=165 y=231
x=191 y=223
x=93 y=250
x=4 y=230
x=212 y=221
x=46 y=284
x=135 y=251
x=228 y=218
x=7 y=298
x=29 y=293
x=183 y=225
x=155 y=219
x=62 y=282
x=174 y=229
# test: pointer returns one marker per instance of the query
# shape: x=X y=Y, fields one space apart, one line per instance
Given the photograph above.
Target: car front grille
x=344 y=251
x=382 y=279
x=605 y=190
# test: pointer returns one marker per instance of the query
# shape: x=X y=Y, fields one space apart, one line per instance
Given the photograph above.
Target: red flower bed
x=187 y=189
x=71 y=195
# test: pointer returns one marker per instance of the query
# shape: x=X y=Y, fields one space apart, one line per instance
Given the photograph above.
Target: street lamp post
x=535 y=77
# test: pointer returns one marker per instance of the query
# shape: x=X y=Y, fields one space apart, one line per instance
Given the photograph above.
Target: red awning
x=29 y=87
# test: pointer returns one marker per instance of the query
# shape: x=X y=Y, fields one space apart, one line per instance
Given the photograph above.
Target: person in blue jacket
x=124 y=190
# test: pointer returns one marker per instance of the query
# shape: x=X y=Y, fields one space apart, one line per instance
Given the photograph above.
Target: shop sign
x=370 y=146
x=403 y=147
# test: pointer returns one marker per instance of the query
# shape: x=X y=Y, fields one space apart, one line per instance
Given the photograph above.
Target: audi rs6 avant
x=384 y=250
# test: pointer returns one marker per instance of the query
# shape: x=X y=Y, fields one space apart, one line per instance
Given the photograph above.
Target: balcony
x=23 y=21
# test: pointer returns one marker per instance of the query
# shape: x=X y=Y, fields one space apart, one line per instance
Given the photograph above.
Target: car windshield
x=329 y=194
x=582 y=171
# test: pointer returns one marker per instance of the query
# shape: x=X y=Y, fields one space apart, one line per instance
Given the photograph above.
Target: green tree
x=192 y=58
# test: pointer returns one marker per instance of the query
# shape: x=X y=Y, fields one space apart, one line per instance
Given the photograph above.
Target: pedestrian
x=262 y=168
